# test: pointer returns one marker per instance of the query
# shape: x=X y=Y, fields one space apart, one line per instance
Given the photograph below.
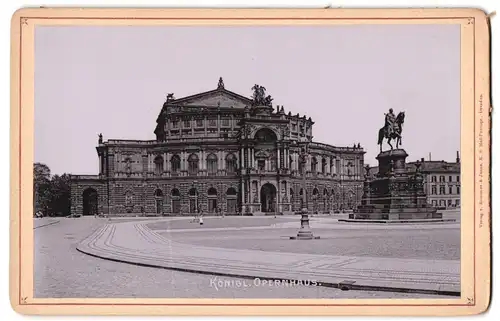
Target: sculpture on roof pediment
x=220 y=85
x=259 y=96
x=268 y=100
x=170 y=97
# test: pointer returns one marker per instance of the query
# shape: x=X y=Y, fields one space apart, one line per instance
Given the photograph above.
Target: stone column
x=218 y=125
x=252 y=165
x=241 y=159
x=164 y=161
x=203 y=158
x=100 y=164
x=278 y=163
x=168 y=158
x=223 y=160
x=184 y=161
x=328 y=165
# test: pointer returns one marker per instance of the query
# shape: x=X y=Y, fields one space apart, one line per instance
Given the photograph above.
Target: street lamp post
x=305 y=232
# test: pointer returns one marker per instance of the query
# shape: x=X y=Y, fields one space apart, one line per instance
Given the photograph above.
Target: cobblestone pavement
x=222 y=222
x=63 y=272
x=440 y=243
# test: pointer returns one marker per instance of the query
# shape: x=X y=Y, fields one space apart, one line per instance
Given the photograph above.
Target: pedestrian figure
x=201 y=220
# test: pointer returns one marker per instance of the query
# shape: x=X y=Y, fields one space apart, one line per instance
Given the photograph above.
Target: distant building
x=441 y=181
x=218 y=151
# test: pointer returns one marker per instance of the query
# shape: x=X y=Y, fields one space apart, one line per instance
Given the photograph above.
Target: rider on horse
x=390 y=120
x=392 y=128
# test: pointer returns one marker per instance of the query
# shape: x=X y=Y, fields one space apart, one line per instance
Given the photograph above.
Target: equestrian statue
x=392 y=129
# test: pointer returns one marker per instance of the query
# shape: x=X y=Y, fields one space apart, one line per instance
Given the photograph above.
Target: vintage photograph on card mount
x=271 y=161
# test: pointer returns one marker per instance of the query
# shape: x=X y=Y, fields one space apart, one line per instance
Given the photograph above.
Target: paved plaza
x=233 y=257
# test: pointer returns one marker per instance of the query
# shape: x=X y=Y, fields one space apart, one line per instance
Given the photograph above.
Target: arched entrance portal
x=90 y=201
x=268 y=198
x=212 y=200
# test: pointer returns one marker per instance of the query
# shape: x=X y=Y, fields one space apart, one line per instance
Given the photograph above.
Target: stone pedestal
x=393 y=194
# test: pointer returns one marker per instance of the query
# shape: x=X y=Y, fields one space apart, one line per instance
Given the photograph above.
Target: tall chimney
x=430 y=158
x=458 y=157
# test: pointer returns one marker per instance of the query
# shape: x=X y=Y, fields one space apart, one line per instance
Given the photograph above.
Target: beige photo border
x=474 y=146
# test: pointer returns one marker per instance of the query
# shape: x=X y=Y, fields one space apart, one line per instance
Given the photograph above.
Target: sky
x=114 y=79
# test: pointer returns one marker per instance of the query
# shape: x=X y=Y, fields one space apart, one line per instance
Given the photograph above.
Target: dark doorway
x=176 y=201
x=212 y=200
x=268 y=198
x=90 y=201
x=231 y=195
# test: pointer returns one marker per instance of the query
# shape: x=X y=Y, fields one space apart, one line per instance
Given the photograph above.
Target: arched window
x=231 y=192
x=314 y=165
x=323 y=166
x=231 y=163
x=265 y=135
x=193 y=162
x=212 y=191
x=158 y=165
x=175 y=192
x=175 y=163
x=212 y=164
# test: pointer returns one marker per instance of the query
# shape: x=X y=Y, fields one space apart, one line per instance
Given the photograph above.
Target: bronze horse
x=396 y=134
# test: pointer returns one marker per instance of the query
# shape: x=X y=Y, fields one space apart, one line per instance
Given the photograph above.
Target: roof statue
x=170 y=96
x=220 y=85
x=392 y=129
x=259 y=96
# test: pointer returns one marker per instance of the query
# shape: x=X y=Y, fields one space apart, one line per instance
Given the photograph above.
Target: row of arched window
x=212 y=191
x=194 y=164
